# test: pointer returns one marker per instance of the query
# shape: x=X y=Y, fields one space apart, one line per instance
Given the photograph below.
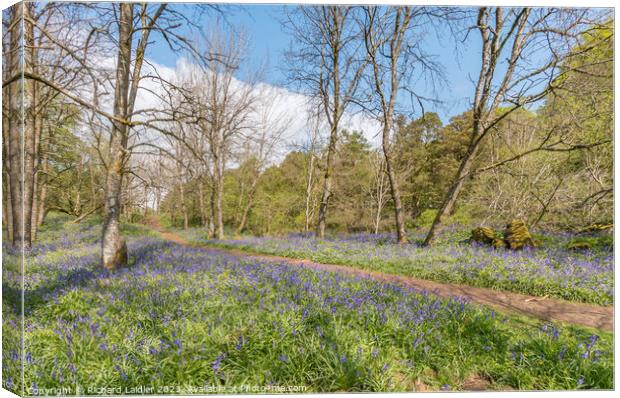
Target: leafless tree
x=512 y=39
x=328 y=62
x=312 y=148
x=119 y=26
x=262 y=141
x=217 y=108
x=379 y=189
x=385 y=38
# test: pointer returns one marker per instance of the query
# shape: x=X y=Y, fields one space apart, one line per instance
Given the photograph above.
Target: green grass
x=550 y=271
x=183 y=319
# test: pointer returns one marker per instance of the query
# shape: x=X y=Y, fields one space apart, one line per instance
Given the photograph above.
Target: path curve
x=549 y=309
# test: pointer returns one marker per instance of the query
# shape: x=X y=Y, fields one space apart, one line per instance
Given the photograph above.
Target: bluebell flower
x=374 y=352
x=239 y=345
x=179 y=345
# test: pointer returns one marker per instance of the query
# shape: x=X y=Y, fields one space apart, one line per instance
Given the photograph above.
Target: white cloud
x=285 y=104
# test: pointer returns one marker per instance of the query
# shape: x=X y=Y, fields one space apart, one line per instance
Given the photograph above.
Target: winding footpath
x=548 y=309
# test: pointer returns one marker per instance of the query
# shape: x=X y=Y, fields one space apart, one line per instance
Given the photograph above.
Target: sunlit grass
x=549 y=271
x=180 y=319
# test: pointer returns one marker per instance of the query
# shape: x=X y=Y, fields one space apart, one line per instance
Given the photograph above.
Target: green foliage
x=599 y=243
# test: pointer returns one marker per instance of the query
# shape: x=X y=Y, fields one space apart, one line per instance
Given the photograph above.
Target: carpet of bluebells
x=585 y=276
x=185 y=320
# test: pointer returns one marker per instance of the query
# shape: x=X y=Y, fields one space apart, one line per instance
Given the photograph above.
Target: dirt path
x=549 y=309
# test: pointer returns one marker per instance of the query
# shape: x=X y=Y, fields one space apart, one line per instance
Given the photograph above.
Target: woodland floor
x=185 y=314
x=545 y=308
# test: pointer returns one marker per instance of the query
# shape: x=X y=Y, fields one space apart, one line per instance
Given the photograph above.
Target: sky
x=269 y=41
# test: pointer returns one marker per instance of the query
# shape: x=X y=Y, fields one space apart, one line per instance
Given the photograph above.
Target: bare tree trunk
x=36 y=118
x=184 y=208
x=30 y=125
x=380 y=194
x=212 y=206
x=21 y=128
x=218 y=186
x=399 y=214
x=377 y=219
x=15 y=127
x=309 y=191
x=327 y=180
x=146 y=201
x=7 y=213
x=78 y=187
x=334 y=70
x=157 y=199
x=487 y=98
x=113 y=247
x=93 y=185
x=248 y=206
x=201 y=203
x=45 y=165
x=7 y=216
x=219 y=220
x=378 y=45
x=42 y=201
x=452 y=195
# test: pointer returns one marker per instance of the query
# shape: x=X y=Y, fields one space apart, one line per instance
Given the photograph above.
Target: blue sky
x=267 y=39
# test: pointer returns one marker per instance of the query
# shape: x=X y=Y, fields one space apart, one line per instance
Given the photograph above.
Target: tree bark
x=15 y=133
x=212 y=201
x=201 y=203
x=145 y=212
x=399 y=214
x=219 y=210
x=375 y=43
x=30 y=126
x=487 y=99
x=7 y=213
x=380 y=180
x=219 y=188
x=21 y=143
x=309 y=190
x=37 y=126
x=327 y=181
x=113 y=247
x=184 y=208
x=452 y=195
x=248 y=206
